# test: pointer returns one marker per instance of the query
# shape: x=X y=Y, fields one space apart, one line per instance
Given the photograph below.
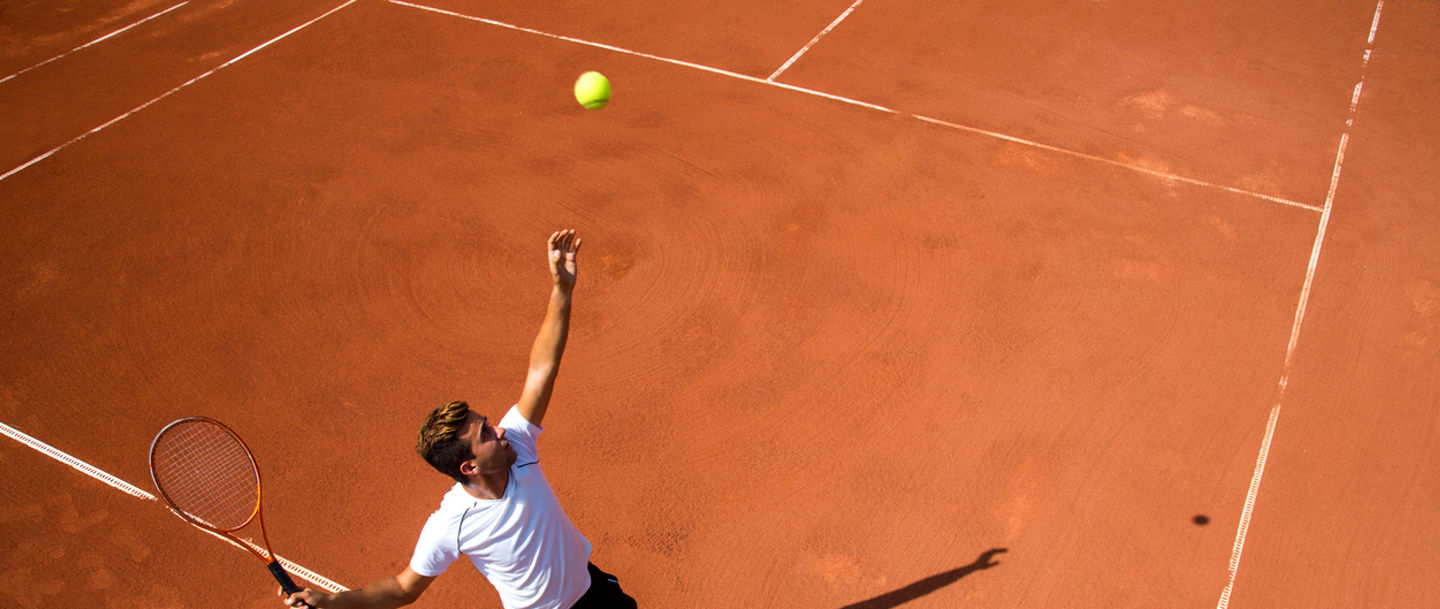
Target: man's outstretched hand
x=563 y=246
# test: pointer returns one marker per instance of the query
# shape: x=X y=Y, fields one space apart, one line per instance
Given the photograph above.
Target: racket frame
x=256 y=515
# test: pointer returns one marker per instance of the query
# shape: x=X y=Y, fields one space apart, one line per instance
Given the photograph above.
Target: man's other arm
x=388 y=593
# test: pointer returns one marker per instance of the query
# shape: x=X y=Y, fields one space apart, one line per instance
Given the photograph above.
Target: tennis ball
x=592 y=90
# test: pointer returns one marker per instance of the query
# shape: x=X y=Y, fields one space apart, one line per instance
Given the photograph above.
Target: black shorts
x=604 y=593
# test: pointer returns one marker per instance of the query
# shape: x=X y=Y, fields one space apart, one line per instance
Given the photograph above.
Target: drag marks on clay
x=712 y=333
x=446 y=270
x=825 y=307
x=682 y=298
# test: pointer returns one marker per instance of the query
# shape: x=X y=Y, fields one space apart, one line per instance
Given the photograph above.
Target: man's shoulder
x=454 y=500
x=437 y=532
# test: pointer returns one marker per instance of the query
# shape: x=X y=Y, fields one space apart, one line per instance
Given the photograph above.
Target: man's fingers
x=564 y=241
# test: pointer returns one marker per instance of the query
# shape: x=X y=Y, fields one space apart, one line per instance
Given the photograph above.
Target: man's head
x=461 y=443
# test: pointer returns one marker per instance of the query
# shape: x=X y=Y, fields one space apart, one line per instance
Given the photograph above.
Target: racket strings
x=207 y=474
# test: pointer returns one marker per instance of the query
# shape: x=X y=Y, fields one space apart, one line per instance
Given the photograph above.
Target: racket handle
x=286 y=584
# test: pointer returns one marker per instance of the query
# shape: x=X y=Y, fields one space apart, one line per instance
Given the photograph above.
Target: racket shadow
x=898 y=597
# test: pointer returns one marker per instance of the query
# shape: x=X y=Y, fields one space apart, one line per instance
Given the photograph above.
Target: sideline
x=1254 y=490
x=62 y=55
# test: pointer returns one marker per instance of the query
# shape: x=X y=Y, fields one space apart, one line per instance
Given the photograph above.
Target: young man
x=501 y=513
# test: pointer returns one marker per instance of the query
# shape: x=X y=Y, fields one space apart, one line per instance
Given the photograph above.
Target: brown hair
x=439 y=439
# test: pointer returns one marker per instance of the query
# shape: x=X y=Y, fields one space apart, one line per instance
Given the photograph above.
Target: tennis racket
x=209 y=478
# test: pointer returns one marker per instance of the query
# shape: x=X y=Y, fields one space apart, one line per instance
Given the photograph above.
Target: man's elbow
x=410 y=585
x=541 y=374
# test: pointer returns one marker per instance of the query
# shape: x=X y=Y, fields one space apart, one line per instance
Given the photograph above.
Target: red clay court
x=1144 y=294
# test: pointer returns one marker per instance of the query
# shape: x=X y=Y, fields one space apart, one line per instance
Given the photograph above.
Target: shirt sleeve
x=522 y=435
x=437 y=547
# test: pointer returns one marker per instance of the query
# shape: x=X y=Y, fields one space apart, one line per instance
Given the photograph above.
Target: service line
x=816 y=39
x=1097 y=159
x=1260 y=460
x=57 y=57
x=678 y=62
x=168 y=93
x=856 y=102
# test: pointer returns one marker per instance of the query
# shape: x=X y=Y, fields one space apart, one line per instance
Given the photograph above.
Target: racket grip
x=286 y=584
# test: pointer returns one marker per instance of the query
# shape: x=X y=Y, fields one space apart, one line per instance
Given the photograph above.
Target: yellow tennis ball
x=592 y=90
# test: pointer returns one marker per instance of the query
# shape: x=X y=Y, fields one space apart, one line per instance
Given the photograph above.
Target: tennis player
x=501 y=513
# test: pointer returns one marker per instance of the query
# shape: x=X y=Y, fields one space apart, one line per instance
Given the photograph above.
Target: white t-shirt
x=522 y=542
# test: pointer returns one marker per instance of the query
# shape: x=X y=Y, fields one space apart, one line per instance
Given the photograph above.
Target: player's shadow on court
x=895 y=598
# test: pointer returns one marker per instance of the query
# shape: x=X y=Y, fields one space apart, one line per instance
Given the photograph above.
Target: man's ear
x=468 y=468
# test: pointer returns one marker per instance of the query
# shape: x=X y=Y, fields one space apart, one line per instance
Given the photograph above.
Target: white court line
x=862 y=104
x=601 y=45
x=101 y=475
x=816 y=39
x=85 y=468
x=1254 y=489
x=293 y=568
x=57 y=57
x=1091 y=157
x=1374 y=25
x=168 y=93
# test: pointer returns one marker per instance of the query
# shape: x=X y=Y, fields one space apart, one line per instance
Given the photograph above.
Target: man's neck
x=488 y=486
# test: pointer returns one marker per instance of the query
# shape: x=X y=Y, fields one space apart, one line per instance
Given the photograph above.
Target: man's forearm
x=545 y=357
x=383 y=594
x=550 y=342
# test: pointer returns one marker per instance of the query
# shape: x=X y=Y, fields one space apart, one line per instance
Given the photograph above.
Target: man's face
x=492 y=451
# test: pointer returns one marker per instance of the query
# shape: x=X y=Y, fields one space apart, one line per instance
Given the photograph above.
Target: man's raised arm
x=550 y=342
